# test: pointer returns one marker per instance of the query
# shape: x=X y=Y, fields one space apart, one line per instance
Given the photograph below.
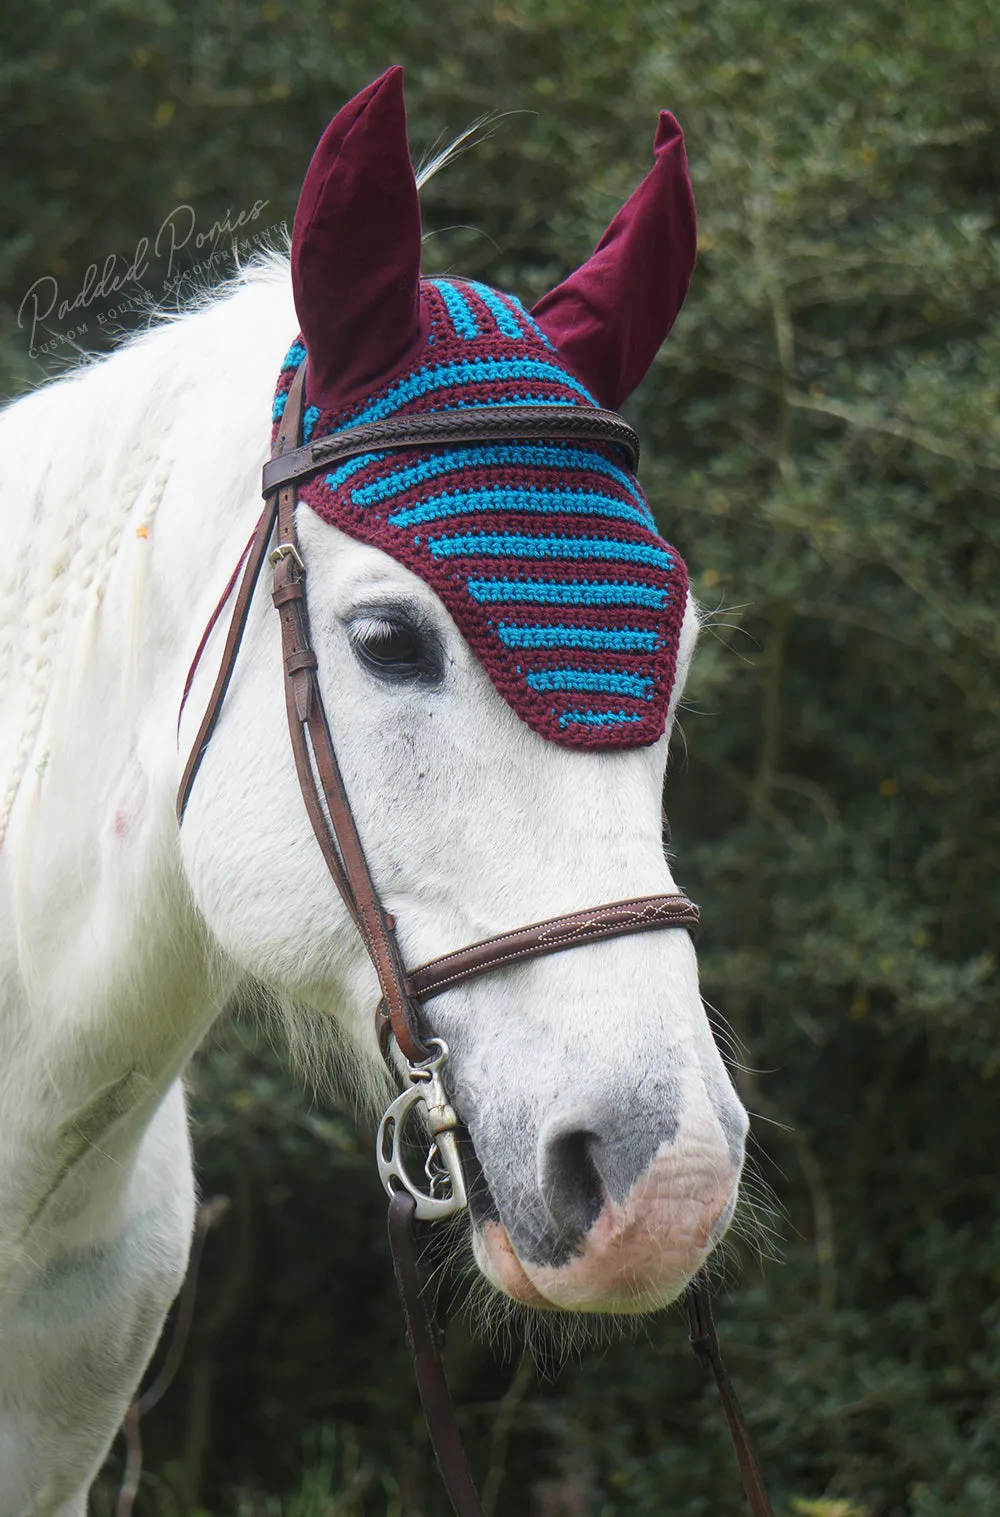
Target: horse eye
x=393 y=648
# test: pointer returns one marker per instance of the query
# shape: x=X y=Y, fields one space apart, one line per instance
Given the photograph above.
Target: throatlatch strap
x=251 y=574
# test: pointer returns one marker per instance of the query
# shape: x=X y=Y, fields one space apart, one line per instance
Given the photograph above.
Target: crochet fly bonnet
x=544 y=551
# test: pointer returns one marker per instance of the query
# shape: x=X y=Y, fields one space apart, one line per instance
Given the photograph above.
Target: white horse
x=597 y=1104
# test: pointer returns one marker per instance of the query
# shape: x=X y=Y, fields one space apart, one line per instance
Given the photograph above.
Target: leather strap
x=319 y=773
x=237 y=626
x=705 y=1342
x=470 y=424
x=426 y=1345
x=425 y=1340
x=641 y=914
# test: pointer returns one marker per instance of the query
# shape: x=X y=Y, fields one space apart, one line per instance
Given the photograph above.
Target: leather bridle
x=404 y=991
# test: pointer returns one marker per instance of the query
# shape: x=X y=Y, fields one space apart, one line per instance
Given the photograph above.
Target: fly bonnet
x=544 y=551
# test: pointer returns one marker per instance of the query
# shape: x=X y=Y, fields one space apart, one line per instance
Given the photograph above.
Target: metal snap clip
x=443 y=1166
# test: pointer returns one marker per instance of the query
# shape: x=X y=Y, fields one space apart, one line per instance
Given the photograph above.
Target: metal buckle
x=443 y=1166
x=284 y=550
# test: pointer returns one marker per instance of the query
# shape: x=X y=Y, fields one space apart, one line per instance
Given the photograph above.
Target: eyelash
x=414 y=656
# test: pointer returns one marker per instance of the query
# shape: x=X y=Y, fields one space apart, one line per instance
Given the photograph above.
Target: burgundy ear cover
x=546 y=554
x=607 y=320
x=356 y=249
x=356 y=262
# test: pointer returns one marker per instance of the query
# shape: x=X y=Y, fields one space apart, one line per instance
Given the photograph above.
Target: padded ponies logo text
x=159 y=267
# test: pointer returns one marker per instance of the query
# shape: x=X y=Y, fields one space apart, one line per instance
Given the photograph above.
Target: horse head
x=502 y=638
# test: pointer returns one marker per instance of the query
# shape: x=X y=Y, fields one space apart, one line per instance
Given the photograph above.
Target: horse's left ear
x=608 y=319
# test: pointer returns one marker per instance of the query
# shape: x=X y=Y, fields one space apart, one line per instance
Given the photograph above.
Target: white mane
x=70 y=512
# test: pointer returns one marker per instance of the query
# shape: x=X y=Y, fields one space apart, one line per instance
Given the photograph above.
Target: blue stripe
x=526 y=455
x=521 y=545
x=278 y=407
x=295 y=356
x=527 y=320
x=310 y=417
x=472 y=371
x=336 y=479
x=507 y=323
x=617 y=639
x=462 y=317
x=592 y=679
x=549 y=592
x=597 y=718
x=542 y=502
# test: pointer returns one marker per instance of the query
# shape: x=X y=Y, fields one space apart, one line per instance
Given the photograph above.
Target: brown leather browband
x=469 y=424
x=329 y=810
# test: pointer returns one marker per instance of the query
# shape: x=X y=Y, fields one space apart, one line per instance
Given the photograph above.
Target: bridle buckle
x=286 y=550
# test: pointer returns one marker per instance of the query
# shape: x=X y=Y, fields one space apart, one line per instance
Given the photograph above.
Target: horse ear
x=356 y=249
x=608 y=319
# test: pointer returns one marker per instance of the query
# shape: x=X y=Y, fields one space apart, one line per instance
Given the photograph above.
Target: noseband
x=404 y=991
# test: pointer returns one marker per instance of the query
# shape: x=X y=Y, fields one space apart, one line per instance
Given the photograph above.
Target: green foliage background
x=822 y=442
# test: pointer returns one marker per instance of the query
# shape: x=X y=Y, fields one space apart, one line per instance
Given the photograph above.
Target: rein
x=403 y=992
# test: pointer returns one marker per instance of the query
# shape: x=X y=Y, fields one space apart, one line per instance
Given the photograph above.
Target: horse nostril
x=571 y=1184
